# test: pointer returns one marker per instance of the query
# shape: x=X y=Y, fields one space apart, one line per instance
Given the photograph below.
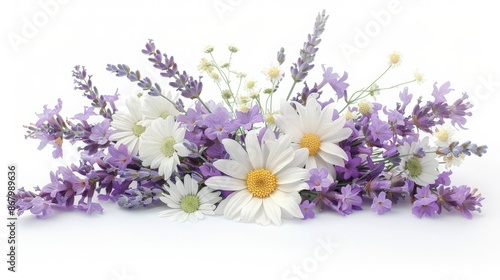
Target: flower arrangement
x=260 y=154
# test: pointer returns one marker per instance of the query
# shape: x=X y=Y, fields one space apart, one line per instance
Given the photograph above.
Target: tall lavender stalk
x=304 y=64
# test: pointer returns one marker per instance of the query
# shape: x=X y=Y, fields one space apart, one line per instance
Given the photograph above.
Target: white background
x=449 y=40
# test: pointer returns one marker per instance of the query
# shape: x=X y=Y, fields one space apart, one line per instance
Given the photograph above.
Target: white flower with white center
x=187 y=202
x=450 y=160
x=444 y=135
x=162 y=144
x=313 y=128
x=420 y=169
x=128 y=126
x=156 y=107
x=266 y=179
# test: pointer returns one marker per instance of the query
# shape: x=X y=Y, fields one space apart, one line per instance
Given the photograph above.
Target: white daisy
x=444 y=135
x=314 y=129
x=420 y=169
x=273 y=73
x=187 y=202
x=266 y=179
x=128 y=126
x=156 y=107
x=162 y=144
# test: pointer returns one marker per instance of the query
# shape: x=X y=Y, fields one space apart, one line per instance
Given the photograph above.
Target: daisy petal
x=225 y=183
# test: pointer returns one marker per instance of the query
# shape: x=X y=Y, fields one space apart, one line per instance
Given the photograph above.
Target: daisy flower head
x=162 y=144
x=128 y=126
x=418 y=163
x=187 y=202
x=265 y=179
x=444 y=135
x=273 y=73
x=156 y=107
x=313 y=128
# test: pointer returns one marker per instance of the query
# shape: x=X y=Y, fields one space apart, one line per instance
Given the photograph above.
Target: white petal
x=293 y=187
x=280 y=156
x=333 y=149
x=292 y=175
x=169 y=201
x=272 y=210
x=254 y=150
x=222 y=205
x=180 y=187
x=182 y=150
x=237 y=152
x=238 y=201
x=248 y=213
x=232 y=168
x=287 y=203
x=335 y=136
x=193 y=218
x=225 y=183
x=190 y=185
x=168 y=212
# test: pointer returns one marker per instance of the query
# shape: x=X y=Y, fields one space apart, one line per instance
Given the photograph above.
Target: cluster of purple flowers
x=388 y=158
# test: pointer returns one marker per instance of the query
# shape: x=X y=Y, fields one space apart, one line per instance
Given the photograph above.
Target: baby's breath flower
x=232 y=48
x=209 y=49
x=225 y=65
x=243 y=99
x=254 y=94
x=365 y=107
x=351 y=115
x=215 y=76
x=374 y=91
x=395 y=59
x=268 y=91
x=226 y=94
x=250 y=84
x=205 y=65
x=243 y=108
x=273 y=73
x=241 y=75
x=419 y=77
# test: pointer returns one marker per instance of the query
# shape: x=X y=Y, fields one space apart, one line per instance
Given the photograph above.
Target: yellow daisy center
x=442 y=135
x=364 y=108
x=261 y=182
x=312 y=142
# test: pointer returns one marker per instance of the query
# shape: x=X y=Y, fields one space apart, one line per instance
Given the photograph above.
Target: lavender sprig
x=83 y=82
x=304 y=64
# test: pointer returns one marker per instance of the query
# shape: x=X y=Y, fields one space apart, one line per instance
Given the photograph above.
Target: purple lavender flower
x=425 y=205
x=100 y=132
x=441 y=92
x=319 y=179
x=335 y=81
x=381 y=204
x=218 y=124
x=41 y=208
x=424 y=208
x=248 y=119
x=119 y=157
x=349 y=199
x=466 y=201
x=307 y=209
x=350 y=168
x=458 y=111
x=380 y=131
x=191 y=119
